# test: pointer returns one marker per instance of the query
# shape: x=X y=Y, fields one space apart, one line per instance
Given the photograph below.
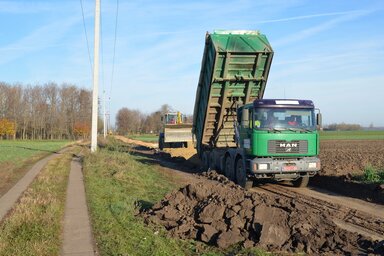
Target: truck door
x=246 y=130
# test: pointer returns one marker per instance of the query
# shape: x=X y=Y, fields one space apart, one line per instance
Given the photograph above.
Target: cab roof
x=283 y=103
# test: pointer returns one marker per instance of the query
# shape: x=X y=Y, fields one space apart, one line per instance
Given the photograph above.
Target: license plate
x=290 y=168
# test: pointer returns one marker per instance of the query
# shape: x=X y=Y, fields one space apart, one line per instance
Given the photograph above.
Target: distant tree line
x=48 y=111
x=130 y=121
x=343 y=127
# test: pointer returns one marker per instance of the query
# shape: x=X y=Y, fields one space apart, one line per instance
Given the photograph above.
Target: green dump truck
x=236 y=131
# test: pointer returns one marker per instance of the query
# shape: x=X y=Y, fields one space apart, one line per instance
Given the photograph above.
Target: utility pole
x=95 y=78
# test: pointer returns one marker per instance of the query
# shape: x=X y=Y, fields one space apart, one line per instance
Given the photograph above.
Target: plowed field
x=343 y=157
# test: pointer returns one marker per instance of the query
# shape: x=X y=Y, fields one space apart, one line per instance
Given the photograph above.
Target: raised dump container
x=234 y=71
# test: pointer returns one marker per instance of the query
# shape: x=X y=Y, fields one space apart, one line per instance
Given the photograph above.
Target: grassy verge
x=371 y=175
x=116 y=183
x=352 y=135
x=145 y=137
x=16 y=157
x=34 y=226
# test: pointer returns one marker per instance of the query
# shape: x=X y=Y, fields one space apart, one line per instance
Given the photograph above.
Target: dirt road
x=137 y=142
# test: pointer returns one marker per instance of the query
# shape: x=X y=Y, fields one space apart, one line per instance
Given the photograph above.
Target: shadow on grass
x=142 y=205
x=34 y=149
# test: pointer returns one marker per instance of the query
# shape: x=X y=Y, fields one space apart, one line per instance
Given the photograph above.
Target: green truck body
x=230 y=115
x=234 y=71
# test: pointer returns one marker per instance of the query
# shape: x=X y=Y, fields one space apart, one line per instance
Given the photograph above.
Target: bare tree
x=45 y=111
x=129 y=121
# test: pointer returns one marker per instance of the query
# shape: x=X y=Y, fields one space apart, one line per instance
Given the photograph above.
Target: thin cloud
x=44 y=37
x=24 y=7
x=303 y=17
x=320 y=28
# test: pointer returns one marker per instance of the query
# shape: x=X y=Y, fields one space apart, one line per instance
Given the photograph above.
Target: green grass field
x=19 y=150
x=352 y=135
x=145 y=137
x=16 y=157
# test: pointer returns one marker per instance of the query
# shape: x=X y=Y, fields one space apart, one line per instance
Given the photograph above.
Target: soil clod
x=220 y=213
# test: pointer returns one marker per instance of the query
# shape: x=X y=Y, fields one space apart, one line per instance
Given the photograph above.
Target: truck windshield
x=282 y=119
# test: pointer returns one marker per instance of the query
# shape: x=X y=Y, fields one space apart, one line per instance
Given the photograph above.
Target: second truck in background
x=175 y=132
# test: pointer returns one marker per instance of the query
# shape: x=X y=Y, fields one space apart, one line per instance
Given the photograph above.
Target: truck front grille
x=287 y=147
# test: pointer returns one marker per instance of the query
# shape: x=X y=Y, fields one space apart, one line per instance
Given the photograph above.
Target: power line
x=86 y=35
x=113 y=63
x=114 y=48
x=102 y=72
x=102 y=51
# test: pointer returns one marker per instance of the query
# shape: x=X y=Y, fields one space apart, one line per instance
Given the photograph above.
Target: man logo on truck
x=288 y=145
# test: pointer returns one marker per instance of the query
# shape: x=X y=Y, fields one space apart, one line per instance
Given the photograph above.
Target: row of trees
x=343 y=127
x=52 y=111
x=47 y=111
x=134 y=121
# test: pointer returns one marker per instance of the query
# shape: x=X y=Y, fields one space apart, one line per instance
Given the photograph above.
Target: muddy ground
x=344 y=157
x=218 y=212
x=341 y=161
x=215 y=211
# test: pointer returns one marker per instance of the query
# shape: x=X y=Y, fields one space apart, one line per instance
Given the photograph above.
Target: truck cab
x=279 y=139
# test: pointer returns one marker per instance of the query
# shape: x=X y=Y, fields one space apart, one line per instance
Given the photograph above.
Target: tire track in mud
x=347 y=218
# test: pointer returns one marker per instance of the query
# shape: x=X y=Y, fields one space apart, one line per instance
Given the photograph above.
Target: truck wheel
x=228 y=169
x=301 y=182
x=161 y=142
x=205 y=160
x=241 y=176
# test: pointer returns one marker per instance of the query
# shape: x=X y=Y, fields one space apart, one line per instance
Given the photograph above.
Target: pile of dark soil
x=220 y=213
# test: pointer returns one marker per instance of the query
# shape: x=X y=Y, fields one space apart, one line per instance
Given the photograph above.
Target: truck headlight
x=312 y=165
x=263 y=166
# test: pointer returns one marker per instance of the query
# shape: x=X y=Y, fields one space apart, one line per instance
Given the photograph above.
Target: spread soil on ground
x=344 y=157
x=216 y=211
x=342 y=160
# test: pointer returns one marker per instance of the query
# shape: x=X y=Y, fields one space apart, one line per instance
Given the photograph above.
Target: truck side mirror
x=319 y=121
x=245 y=118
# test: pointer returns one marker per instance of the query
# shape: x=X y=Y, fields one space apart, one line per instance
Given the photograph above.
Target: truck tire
x=241 y=176
x=301 y=182
x=161 y=142
x=229 y=171
x=205 y=161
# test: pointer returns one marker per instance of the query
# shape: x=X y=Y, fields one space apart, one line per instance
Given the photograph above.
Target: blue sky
x=329 y=51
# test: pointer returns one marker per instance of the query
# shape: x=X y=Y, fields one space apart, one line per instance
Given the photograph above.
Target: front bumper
x=284 y=168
